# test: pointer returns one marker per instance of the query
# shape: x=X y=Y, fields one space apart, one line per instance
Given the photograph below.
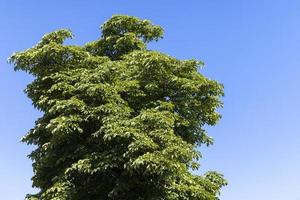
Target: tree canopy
x=119 y=121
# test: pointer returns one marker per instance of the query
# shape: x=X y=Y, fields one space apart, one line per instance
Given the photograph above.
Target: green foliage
x=119 y=121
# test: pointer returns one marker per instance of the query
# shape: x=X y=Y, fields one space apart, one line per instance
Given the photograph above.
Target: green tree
x=119 y=121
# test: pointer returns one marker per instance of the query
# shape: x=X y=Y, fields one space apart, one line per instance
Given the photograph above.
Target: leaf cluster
x=119 y=121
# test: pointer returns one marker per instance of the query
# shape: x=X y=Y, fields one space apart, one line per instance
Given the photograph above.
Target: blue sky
x=252 y=47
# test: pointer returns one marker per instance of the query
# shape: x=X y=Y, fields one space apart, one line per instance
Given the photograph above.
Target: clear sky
x=252 y=47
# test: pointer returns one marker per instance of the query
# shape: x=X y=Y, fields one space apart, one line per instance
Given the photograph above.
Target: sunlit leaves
x=119 y=121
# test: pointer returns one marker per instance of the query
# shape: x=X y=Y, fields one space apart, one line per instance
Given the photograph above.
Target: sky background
x=252 y=47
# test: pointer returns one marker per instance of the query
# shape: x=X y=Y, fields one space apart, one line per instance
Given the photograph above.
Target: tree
x=119 y=121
